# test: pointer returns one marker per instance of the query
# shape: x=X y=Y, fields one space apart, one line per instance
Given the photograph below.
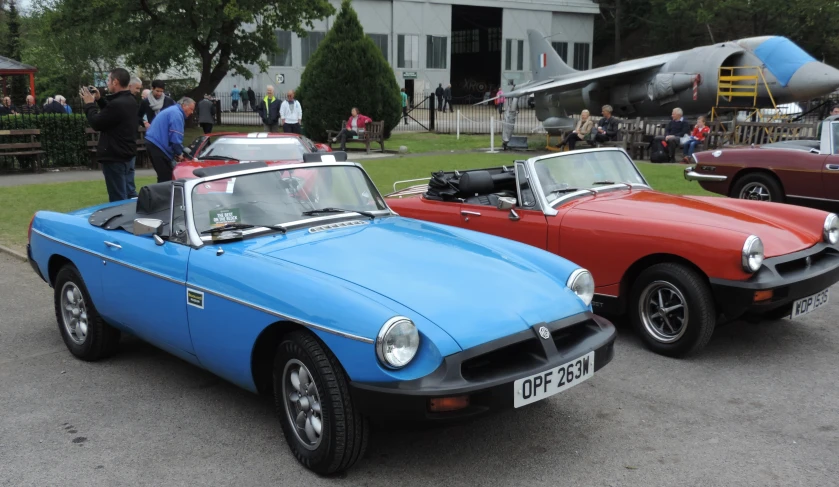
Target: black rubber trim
x=734 y=298
x=408 y=400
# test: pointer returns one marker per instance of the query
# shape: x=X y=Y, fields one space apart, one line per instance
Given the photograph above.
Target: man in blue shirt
x=165 y=137
x=234 y=95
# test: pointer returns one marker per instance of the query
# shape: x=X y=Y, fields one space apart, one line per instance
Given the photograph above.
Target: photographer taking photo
x=115 y=118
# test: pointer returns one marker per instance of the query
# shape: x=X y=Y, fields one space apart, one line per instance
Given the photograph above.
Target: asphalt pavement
x=759 y=407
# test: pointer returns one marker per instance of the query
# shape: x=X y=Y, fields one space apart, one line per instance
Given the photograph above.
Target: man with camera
x=115 y=118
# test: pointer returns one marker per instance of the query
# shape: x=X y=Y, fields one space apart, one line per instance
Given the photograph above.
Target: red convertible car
x=803 y=171
x=677 y=265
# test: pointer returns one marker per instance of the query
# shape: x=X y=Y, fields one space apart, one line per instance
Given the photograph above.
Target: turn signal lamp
x=763 y=295
x=443 y=404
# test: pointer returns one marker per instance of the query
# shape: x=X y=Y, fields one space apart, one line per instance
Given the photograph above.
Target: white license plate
x=552 y=381
x=809 y=304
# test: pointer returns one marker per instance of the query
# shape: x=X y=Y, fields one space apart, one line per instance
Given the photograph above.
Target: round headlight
x=831 y=229
x=397 y=343
x=581 y=282
x=752 y=254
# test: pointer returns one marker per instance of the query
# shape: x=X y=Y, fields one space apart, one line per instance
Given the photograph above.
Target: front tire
x=321 y=425
x=84 y=332
x=672 y=309
x=758 y=187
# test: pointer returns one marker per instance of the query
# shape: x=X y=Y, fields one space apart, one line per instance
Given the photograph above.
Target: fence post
x=492 y=136
x=431 y=113
x=458 y=124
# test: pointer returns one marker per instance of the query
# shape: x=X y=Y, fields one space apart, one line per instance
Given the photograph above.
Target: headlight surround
x=582 y=283
x=752 y=254
x=397 y=343
x=831 y=229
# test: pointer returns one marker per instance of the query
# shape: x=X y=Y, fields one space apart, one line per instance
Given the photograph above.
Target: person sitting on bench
x=607 y=127
x=355 y=126
x=580 y=132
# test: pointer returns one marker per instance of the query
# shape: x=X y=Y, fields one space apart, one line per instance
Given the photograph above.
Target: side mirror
x=146 y=226
x=506 y=203
x=814 y=151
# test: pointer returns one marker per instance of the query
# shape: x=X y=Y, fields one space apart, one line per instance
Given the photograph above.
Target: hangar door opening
x=476 y=51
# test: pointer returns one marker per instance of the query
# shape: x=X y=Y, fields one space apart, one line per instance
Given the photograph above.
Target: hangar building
x=473 y=44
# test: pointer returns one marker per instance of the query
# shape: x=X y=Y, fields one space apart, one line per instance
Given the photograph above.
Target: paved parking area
x=760 y=407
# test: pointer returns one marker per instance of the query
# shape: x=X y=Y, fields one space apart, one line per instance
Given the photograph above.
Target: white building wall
x=569 y=20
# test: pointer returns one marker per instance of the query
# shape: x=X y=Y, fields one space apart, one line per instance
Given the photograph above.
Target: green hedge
x=62 y=138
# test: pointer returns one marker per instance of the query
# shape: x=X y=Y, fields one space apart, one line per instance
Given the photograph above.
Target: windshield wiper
x=564 y=190
x=242 y=226
x=603 y=182
x=221 y=158
x=338 y=210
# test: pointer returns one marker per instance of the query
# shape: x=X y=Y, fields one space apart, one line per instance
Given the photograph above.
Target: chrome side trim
x=282 y=316
x=695 y=176
x=209 y=291
x=605 y=295
x=109 y=258
x=806 y=198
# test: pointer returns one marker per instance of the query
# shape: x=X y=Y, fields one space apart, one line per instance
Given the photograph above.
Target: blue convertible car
x=342 y=310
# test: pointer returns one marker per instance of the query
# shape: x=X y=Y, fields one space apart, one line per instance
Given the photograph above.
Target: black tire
x=746 y=186
x=344 y=432
x=676 y=282
x=100 y=340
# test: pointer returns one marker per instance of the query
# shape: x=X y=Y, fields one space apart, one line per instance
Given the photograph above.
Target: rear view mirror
x=506 y=203
x=146 y=226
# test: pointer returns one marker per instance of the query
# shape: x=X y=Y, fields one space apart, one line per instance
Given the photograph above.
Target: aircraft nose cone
x=813 y=80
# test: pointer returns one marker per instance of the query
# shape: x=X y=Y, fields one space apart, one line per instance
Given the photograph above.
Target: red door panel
x=531 y=227
x=804 y=176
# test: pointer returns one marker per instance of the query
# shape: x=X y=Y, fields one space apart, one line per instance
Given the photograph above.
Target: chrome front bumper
x=692 y=175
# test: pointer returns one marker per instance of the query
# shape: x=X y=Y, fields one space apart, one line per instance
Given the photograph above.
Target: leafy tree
x=12 y=50
x=347 y=70
x=214 y=37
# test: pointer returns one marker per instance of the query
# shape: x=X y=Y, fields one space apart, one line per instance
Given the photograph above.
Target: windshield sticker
x=222 y=216
x=195 y=298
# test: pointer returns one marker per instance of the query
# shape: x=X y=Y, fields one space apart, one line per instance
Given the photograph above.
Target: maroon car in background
x=796 y=171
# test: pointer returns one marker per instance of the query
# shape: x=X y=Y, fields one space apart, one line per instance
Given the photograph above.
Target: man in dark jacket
x=607 y=126
x=447 y=98
x=154 y=103
x=439 y=92
x=675 y=130
x=269 y=111
x=116 y=122
x=252 y=98
x=206 y=112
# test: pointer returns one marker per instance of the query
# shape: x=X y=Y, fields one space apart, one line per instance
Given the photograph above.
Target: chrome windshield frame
x=189 y=185
x=550 y=207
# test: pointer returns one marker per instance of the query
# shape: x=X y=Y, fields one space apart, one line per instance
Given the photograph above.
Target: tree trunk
x=617 y=31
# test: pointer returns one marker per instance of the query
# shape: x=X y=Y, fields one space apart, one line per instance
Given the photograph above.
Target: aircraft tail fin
x=544 y=60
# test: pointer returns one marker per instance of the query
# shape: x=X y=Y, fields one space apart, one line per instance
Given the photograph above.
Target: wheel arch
x=54 y=265
x=754 y=170
x=262 y=356
x=637 y=267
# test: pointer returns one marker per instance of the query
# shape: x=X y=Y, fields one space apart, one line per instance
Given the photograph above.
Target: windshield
x=584 y=170
x=247 y=149
x=282 y=196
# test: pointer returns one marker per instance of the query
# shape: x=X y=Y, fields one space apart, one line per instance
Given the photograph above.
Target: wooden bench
x=92 y=137
x=32 y=148
x=374 y=133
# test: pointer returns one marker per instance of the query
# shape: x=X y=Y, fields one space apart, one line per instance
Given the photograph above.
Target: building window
x=466 y=41
x=282 y=58
x=309 y=44
x=381 y=41
x=494 y=39
x=520 y=60
x=508 y=57
x=437 y=52
x=561 y=48
x=581 y=53
x=407 y=51
x=514 y=55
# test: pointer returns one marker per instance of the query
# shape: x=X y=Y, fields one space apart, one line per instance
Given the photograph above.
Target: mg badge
x=544 y=333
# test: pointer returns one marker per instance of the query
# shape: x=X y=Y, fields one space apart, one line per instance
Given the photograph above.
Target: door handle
x=114 y=245
x=473 y=213
x=832 y=167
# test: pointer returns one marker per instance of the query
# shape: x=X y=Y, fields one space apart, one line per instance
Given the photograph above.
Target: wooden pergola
x=10 y=67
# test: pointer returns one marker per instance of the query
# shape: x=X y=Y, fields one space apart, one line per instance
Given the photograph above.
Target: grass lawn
x=415 y=142
x=21 y=202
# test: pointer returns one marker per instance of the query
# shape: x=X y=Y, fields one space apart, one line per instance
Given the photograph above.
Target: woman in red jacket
x=355 y=126
x=696 y=137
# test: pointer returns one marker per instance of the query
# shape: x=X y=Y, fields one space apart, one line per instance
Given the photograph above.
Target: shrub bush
x=347 y=70
x=62 y=138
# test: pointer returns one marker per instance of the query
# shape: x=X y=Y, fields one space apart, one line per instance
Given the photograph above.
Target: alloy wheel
x=74 y=313
x=756 y=192
x=302 y=404
x=664 y=311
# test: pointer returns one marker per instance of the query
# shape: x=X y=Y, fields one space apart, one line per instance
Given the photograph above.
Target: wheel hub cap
x=74 y=313
x=302 y=404
x=756 y=192
x=664 y=311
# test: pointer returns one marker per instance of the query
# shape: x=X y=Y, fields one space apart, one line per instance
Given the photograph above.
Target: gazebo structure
x=10 y=67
